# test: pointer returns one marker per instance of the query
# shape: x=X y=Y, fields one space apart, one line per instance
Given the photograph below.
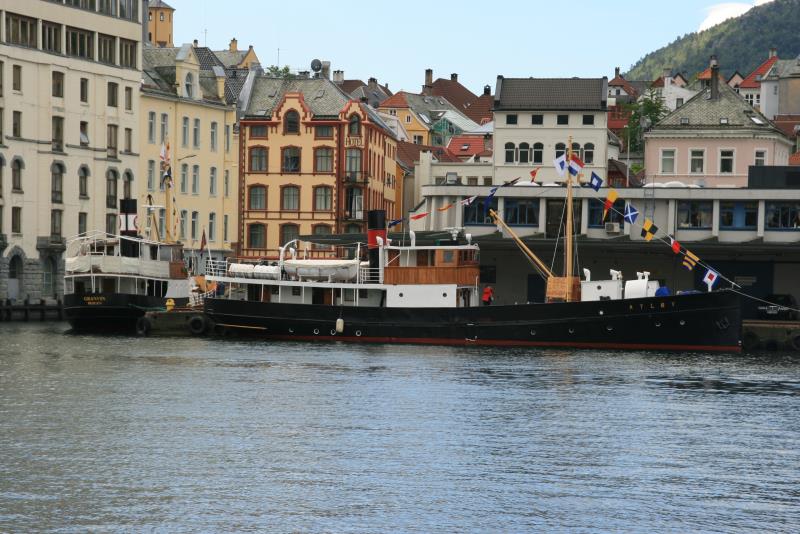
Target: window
x=16 y=175
x=16 y=78
x=522 y=212
x=57 y=183
x=195 y=219
x=111 y=223
x=58 y=134
x=107 y=7
x=226 y=185
x=524 y=152
x=128 y=99
x=323 y=132
x=678 y=102
x=21 y=30
x=128 y=140
x=55 y=223
x=182 y=224
x=106 y=49
x=323 y=198
x=667 y=161
x=258 y=131
x=127 y=53
x=83 y=182
x=576 y=149
x=537 y=119
x=195 y=179
x=83 y=217
x=321 y=230
x=290 y=198
x=256 y=234
x=561 y=149
x=127 y=185
x=151 y=127
x=58 y=84
x=738 y=215
x=16 y=220
x=212 y=182
x=761 y=158
x=258 y=197
x=188 y=85
x=352 y=163
x=291 y=159
x=16 y=124
x=291 y=122
x=212 y=226
x=80 y=43
x=185 y=132
x=164 y=128
x=227 y=138
x=694 y=214
x=510 y=152
x=51 y=37
x=113 y=90
x=111 y=189
x=151 y=175
x=588 y=153
x=588 y=120
x=161 y=16
x=184 y=178
x=696 y=161
x=511 y=118
x=258 y=159
x=473 y=214
x=84 y=89
x=782 y=215
x=418 y=139
x=408 y=119
x=213 y=139
x=615 y=214
x=538 y=152
x=112 y=141
x=726 y=161
x=196 y=133
x=289 y=232
x=84 y=133
x=323 y=160
x=354 y=126
x=562 y=119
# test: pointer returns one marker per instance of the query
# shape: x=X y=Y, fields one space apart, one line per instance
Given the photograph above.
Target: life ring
x=143 y=326
x=197 y=325
x=750 y=341
x=795 y=340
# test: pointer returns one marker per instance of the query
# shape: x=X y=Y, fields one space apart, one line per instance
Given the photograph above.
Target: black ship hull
x=103 y=311
x=698 y=322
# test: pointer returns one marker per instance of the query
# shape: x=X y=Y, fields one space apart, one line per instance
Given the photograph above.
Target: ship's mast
x=568 y=230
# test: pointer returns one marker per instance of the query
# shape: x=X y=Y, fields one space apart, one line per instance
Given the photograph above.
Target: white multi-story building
x=69 y=130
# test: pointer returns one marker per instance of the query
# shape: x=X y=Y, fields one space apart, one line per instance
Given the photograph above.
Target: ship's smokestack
x=127 y=227
x=376 y=227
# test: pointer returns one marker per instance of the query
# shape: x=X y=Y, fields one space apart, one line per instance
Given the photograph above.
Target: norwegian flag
x=575 y=165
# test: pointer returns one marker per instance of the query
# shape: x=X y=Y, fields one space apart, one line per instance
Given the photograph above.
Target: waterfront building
x=750 y=87
x=450 y=89
x=429 y=120
x=188 y=102
x=371 y=92
x=672 y=94
x=480 y=110
x=69 y=131
x=313 y=161
x=780 y=89
x=159 y=23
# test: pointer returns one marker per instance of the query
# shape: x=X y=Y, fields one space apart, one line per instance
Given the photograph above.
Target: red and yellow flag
x=610 y=199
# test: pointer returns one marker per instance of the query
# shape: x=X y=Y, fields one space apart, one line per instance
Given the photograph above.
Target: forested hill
x=741 y=43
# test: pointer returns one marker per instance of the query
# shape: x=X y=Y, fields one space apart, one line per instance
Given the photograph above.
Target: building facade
x=159 y=23
x=312 y=161
x=69 y=131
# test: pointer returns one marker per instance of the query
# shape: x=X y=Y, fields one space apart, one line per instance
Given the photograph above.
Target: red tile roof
x=466 y=146
x=454 y=92
x=794 y=159
x=787 y=124
x=408 y=153
x=481 y=110
x=619 y=81
x=397 y=100
x=753 y=80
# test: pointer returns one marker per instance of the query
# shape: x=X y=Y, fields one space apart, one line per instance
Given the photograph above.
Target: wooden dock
x=43 y=310
x=770 y=335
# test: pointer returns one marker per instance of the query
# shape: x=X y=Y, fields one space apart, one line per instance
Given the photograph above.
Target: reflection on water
x=127 y=434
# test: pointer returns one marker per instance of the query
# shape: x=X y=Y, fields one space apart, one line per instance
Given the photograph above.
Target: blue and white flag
x=595 y=182
x=488 y=200
x=395 y=222
x=560 y=163
x=630 y=213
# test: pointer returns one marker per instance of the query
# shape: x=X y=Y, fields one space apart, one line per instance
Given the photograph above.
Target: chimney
x=667 y=76
x=487 y=90
x=426 y=89
x=233 y=46
x=194 y=43
x=326 y=70
x=714 y=77
x=219 y=74
x=454 y=77
x=338 y=76
x=773 y=52
x=372 y=83
x=616 y=72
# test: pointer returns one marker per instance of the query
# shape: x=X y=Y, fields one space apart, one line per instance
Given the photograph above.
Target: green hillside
x=740 y=43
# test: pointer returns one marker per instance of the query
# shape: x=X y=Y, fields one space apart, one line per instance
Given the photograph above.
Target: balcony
x=355 y=177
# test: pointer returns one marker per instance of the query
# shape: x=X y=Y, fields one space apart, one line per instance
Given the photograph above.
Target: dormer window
x=723 y=120
x=354 y=127
x=684 y=120
x=189 y=85
x=292 y=122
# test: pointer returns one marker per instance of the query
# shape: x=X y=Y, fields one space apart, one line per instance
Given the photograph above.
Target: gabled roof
x=208 y=59
x=753 y=80
x=585 y=94
x=408 y=153
x=231 y=58
x=454 y=92
x=620 y=81
x=466 y=146
x=480 y=111
x=457 y=119
x=788 y=124
x=784 y=68
x=641 y=86
x=734 y=76
x=397 y=100
x=160 y=4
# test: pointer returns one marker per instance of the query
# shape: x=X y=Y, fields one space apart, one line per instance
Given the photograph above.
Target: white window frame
x=766 y=155
x=719 y=161
x=689 y=162
x=661 y=161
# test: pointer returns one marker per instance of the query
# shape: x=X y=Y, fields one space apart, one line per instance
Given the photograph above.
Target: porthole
x=600 y=312
x=610 y=328
x=333 y=332
x=658 y=324
x=400 y=295
x=444 y=295
x=599 y=288
x=533 y=332
x=571 y=330
x=316 y=331
x=682 y=322
x=291 y=331
x=358 y=333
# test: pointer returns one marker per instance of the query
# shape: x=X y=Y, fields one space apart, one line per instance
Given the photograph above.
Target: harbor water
x=116 y=433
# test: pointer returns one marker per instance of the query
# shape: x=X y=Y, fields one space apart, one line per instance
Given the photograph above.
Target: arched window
x=289 y=232
x=323 y=198
x=127 y=185
x=57 y=183
x=538 y=152
x=212 y=226
x=256 y=236
x=354 y=127
x=561 y=148
x=16 y=175
x=291 y=159
x=111 y=189
x=524 y=152
x=290 y=198
x=510 y=153
x=83 y=182
x=588 y=153
x=258 y=159
x=291 y=122
x=576 y=149
x=182 y=224
x=189 y=85
x=14 y=277
x=258 y=197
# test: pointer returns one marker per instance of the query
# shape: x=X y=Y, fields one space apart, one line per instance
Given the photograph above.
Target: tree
x=273 y=71
x=645 y=112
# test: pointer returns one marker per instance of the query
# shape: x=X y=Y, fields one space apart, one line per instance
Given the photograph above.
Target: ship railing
x=370 y=275
x=217 y=267
x=197 y=299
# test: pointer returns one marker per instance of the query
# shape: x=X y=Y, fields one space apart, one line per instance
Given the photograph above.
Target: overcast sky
x=397 y=41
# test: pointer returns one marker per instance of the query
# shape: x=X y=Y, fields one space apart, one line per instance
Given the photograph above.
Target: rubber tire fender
x=197 y=325
x=750 y=341
x=143 y=326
